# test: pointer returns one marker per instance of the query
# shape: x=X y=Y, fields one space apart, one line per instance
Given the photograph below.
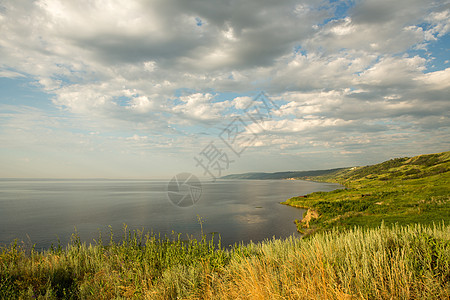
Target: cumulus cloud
x=242 y=102
x=200 y=107
x=160 y=67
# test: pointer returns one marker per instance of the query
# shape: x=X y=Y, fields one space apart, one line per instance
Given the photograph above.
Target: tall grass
x=411 y=262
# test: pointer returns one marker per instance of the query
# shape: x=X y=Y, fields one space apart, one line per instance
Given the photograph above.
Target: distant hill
x=283 y=175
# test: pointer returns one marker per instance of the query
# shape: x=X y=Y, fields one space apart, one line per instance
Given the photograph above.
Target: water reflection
x=240 y=210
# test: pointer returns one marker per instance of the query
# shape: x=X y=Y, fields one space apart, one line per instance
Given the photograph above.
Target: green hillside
x=282 y=175
x=402 y=190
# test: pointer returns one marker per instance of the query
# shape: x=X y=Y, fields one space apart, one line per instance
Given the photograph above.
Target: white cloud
x=392 y=72
x=122 y=65
x=438 y=80
x=141 y=104
x=10 y=74
x=242 y=102
x=201 y=107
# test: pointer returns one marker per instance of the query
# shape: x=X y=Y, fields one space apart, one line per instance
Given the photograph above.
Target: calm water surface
x=41 y=211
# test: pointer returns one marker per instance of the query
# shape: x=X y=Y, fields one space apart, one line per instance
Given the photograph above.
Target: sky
x=150 y=89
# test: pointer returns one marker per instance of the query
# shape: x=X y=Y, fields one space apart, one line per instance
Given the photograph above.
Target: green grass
x=396 y=262
x=399 y=191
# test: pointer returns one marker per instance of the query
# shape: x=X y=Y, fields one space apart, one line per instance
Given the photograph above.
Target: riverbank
x=382 y=263
x=399 y=191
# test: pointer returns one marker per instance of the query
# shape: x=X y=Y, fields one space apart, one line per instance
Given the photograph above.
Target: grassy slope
x=280 y=175
x=402 y=190
x=384 y=263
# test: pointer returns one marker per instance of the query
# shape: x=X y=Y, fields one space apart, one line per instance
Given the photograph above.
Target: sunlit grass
x=400 y=191
x=384 y=263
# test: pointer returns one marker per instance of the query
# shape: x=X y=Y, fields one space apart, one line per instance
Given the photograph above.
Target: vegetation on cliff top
x=399 y=191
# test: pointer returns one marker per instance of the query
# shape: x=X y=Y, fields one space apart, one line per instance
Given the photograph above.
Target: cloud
x=242 y=102
x=200 y=107
x=10 y=74
x=166 y=70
